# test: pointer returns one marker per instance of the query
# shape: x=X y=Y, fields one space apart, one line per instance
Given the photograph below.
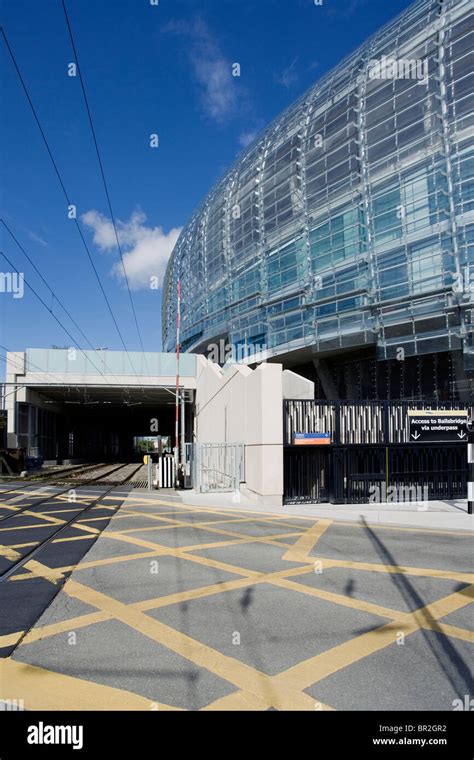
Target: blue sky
x=147 y=69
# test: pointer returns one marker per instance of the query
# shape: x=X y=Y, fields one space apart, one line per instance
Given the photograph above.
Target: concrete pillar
x=264 y=444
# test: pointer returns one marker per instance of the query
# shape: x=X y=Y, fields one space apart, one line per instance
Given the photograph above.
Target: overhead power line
x=53 y=294
x=41 y=373
x=66 y=194
x=15 y=363
x=102 y=173
x=48 y=309
x=21 y=369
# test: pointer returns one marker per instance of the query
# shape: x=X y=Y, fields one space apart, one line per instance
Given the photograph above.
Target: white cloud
x=220 y=91
x=218 y=86
x=104 y=235
x=146 y=250
x=248 y=137
x=348 y=10
x=288 y=76
x=37 y=238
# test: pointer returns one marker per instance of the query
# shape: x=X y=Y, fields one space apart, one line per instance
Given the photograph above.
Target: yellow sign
x=437 y=412
x=145 y=459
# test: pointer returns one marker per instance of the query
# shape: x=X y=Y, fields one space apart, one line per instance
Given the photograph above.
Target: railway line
x=101 y=473
x=71 y=474
x=50 y=526
x=82 y=475
x=72 y=483
x=108 y=478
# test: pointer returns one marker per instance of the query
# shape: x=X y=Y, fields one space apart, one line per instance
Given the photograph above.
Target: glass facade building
x=349 y=223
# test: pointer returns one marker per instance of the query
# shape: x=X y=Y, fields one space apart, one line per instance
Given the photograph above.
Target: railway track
x=99 y=474
x=28 y=533
x=110 y=482
x=83 y=477
x=53 y=478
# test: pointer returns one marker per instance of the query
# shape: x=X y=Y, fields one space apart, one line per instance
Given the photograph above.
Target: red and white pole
x=178 y=325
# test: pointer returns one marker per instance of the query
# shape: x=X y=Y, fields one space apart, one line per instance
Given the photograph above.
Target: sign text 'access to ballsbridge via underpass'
x=437 y=425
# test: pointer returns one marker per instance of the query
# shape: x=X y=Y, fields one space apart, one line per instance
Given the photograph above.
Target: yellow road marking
x=401 y=569
x=81 y=621
x=10 y=507
x=54 y=575
x=41 y=516
x=300 y=550
x=376 y=609
x=346 y=601
x=348 y=523
x=9 y=553
x=9 y=639
x=160 y=550
x=46 y=690
x=283 y=698
x=442 y=607
x=451 y=630
x=228 y=668
x=277 y=578
x=316 y=668
x=273 y=539
x=200 y=525
x=207 y=525
x=277 y=520
x=56 y=541
x=24 y=527
x=284 y=691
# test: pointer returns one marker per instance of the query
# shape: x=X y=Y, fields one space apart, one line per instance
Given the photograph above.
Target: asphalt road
x=28 y=517
x=181 y=607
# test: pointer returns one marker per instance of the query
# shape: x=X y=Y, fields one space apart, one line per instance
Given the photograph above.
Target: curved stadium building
x=341 y=242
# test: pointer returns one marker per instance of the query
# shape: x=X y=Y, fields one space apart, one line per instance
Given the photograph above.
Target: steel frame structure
x=350 y=221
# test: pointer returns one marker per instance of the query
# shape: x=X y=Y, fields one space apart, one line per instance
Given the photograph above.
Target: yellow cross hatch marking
x=254 y=689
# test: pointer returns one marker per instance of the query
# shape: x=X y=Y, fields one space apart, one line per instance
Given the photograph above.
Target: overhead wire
x=65 y=192
x=102 y=173
x=52 y=292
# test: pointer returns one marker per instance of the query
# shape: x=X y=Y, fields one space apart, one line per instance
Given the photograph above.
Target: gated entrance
x=217 y=466
x=372 y=455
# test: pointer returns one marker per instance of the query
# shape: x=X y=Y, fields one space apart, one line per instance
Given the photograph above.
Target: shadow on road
x=449 y=660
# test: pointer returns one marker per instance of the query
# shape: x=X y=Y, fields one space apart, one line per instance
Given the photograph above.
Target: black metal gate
x=307 y=475
x=439 y=471
x=358 y=474
x=387 y=467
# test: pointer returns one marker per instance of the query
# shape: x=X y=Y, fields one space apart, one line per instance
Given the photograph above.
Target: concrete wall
x=241 y=405
x=297 y=387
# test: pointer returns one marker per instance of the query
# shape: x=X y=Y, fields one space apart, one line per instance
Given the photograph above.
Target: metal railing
x=218 y=467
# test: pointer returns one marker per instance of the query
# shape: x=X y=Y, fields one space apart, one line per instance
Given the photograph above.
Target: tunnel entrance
x=103 y=424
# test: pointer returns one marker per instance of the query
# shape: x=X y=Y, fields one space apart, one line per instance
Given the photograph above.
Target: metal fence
x=355 y=422
x=371 y=457
x=217 y=466
x=364 y=474
x=307 y=475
